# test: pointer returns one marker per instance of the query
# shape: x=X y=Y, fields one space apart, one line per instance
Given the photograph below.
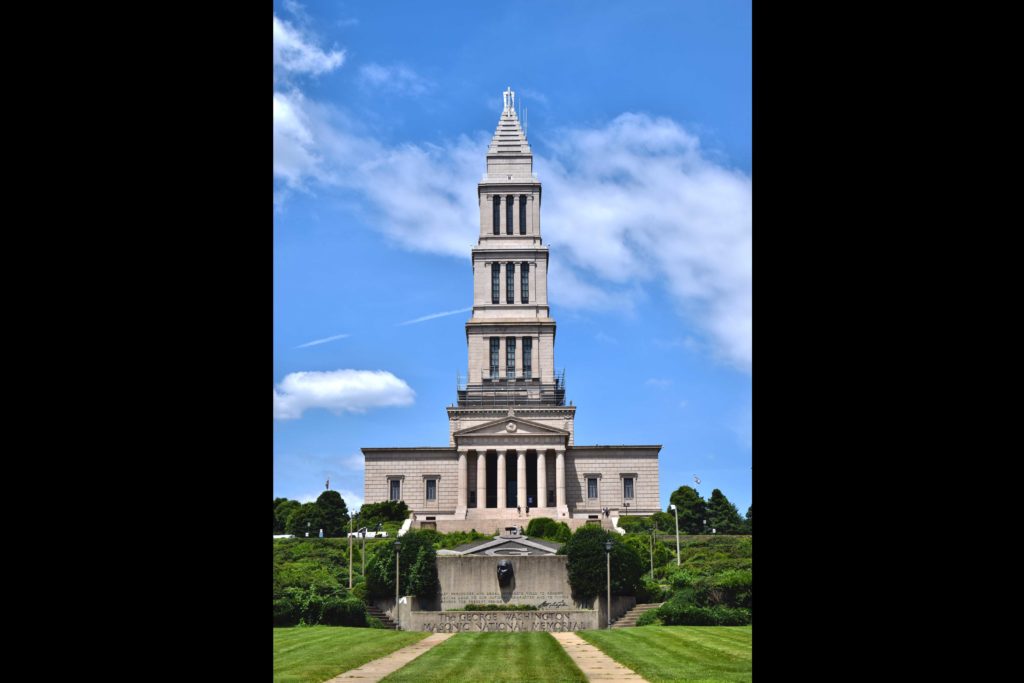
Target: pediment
x=508 y=547
x=511 y=426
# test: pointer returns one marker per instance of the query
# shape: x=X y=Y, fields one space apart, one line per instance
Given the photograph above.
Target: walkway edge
x=595 y=665
x=388 y=664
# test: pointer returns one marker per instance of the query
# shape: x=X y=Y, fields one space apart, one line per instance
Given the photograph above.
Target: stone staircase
x=629 y=618
x=374 y=611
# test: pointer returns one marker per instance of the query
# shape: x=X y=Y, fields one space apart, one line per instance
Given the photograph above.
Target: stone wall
x=455 y=622
x=542 y=581
x=610 y=463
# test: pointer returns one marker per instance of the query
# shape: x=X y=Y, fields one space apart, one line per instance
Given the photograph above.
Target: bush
x=677 y=614
x=586 y=565
x=635 y=525
x=649 y=618
x=456 y=538
x=542 y=527
x=286 y=612
x=338 y=611
x=730 y=588
x=652 y=591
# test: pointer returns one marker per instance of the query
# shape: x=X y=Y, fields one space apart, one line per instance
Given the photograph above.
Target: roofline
x=409 y=448
x=630 y=447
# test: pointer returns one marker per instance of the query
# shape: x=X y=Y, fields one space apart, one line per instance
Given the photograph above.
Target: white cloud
x=293 y=52
x=655 y=209
x=339 y=391
x=353 y=500
x=397 y=79
x=436 y=315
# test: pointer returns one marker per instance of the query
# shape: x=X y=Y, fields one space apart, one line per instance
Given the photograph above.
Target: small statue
x=504 y=572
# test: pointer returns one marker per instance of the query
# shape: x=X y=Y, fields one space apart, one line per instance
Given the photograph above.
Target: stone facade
x=511 y=451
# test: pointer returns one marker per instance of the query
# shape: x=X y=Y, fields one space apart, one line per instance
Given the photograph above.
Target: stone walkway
x=379 y=668
x=596 y=665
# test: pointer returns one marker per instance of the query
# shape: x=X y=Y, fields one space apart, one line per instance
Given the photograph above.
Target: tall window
x=495 y=282
x=627 y=487
x=527 y=357
x=396 y=489
x=510 y=283
x=522 y=214
x=591 y=488
x=508 y=214
x=510 y=357
x=495 y=342
x=431 y=489
x=524 y=282
x=497 y=215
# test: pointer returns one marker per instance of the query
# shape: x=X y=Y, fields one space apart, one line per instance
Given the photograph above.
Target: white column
x=501 y=478
x=521 y=478
x=463 y=481
x=542 y=479
x=481 y=479
x=560 y=479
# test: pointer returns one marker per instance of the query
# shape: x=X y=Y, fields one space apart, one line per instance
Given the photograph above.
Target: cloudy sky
x=640 y=123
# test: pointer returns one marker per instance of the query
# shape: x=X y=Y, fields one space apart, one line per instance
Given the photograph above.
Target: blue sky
x=640 y=125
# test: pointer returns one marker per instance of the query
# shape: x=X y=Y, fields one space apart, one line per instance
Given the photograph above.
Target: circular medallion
x=510 y=427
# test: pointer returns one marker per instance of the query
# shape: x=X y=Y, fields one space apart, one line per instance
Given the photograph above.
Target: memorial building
x=511 y=453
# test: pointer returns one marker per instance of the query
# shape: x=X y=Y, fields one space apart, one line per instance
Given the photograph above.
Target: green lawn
x=492 y=658
x=311 y=654
x=709 y=654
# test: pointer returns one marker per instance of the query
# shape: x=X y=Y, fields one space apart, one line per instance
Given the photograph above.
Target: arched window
x=522 y=215
x=497 y=214
x=508 y=214
x=524 y=282
x=495 y=282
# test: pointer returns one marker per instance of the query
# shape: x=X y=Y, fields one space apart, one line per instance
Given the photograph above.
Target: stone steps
x=629 y=618
x=374 y=611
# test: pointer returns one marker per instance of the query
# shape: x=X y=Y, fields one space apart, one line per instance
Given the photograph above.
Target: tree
x=750 y=520
x=723 y=515
x=423 y=581
x=587 y=565
x=307 y=517
x=372 y=514
x=335 y=514
x=380 y=566
x=283 y=508
x=691 y=508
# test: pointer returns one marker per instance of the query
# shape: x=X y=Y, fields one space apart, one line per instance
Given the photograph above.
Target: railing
x=505 y=391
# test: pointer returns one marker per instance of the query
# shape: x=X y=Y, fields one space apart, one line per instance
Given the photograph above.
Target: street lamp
x=398 y=545
x=676 y=510
x=653 y=527
x=608 y=556
x=350 y=553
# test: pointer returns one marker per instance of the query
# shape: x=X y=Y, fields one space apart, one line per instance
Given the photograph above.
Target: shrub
x=634 y=525
x=649 y=618
x=286 y=612
x=457 y=538
x=338 y=611
x=586 y=565
x=677 y=614
x=380 y=566
x=542 y=527
x=651 y=591
x=730 y=588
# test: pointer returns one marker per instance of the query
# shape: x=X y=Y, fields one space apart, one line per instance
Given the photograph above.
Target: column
x=501 y=478
x=560 y=479
x=481 y=479
x=542 y=479
x=521 y=478
x=463 y=482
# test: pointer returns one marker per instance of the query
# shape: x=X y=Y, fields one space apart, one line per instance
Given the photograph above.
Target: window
x=495 y=282
x=510 y=283
x=508 y=214
x=522 y=214
x=497 y=215
x=527 y=357
x=431 y=489
x=592 y=488
x=396 y=490
x=524 y=282
x=627 y=487
x=510 y=357
x=495 y=341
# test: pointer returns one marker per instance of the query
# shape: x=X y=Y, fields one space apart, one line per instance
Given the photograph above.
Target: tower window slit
x=510 y=283
x=527 y=357
x=495 y=342
x=497 y=215
x=524 y=281
x=522 y=214
x=508 y=214
x=510 y=357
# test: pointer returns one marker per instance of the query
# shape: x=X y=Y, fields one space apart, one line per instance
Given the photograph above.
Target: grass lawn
x=679 y=653
x=311 y=654
x=492 y=658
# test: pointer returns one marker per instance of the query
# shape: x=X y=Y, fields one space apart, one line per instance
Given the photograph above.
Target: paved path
x=379 y=668
x=596 y=665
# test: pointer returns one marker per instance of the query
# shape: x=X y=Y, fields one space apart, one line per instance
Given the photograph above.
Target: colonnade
x=501 y=465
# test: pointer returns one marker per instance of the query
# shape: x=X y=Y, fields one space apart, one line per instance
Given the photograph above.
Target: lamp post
x=398 y=545
x=653 y=527
x=350 y=553
x=608 y=570
x=676 y=510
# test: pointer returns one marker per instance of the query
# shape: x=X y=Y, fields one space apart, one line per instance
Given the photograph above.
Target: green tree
x=372 y=514
x=307 y=517
x=723 y=515
x=750 y=520
x=587 y=565
x=692 y=510
x=380 y=564
x=283 y=508
x=335 y=514
x=423 y=581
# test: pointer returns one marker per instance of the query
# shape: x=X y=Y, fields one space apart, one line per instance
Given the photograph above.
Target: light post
x=653 y=527
x=350 y=553
x=398 y=545
x=676 y=510
x=307 y=529
x=608 y=570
